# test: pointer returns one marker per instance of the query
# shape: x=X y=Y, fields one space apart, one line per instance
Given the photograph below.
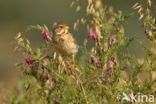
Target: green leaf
x=38 y=53
x=45 y=28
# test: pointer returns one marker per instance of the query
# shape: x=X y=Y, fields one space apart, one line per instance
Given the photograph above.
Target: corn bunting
x=63 y=40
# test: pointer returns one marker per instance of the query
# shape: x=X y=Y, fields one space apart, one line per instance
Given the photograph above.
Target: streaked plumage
x=63 y=40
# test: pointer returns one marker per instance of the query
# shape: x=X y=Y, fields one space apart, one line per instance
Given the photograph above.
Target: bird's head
x=60 y=28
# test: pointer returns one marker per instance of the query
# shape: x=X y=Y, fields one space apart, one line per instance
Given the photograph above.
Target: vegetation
x=101 y=73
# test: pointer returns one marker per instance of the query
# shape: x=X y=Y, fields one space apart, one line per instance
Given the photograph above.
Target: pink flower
x=92 y=35
x=45 y=35
x=112 y=62
x=29 y=60
x=110 y=41
x=94 y=59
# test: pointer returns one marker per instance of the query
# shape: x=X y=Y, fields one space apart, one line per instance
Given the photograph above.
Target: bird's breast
x=65 y=45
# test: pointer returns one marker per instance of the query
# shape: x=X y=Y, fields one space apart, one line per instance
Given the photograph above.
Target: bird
x=63 y=40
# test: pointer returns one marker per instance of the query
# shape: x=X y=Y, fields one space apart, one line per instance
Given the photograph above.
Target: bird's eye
x=61 y=27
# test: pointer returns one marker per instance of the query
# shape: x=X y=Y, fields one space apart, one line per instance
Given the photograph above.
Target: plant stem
x=82 y=88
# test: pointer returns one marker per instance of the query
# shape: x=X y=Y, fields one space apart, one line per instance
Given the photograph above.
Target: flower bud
x=45 y=35
x=92 y=35
x=110 y=41
x=112 y=62
x=94 y=60
x=29 y=61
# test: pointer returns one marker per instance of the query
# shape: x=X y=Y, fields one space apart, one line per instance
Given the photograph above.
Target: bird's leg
x=72 y=65
x=73 y=59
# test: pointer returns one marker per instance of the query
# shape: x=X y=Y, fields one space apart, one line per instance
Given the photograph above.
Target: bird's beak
x=67 y=27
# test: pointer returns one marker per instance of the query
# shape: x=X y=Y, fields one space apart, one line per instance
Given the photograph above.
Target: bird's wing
x=73 y=40
x=70 y=37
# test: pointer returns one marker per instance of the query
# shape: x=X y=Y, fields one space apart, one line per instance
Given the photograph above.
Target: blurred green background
x=16 y=15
